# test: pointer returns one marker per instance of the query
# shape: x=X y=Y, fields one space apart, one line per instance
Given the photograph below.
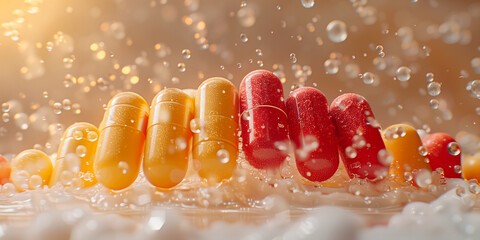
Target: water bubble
x=196 y=125
x=337 y=31
x=401 y=131
x=81 y=151
x=453 y=148
x=422 y=151
x=368 y=78
x=5 y=107
x=403 y=73
x=6 y=117
x=293 y=58
x=457 y=169
x=308 y=3
x=35 y=181
x=243 y=37
x=473 y=87
x=350 y=152
x=434 y=89
x=122 y=165
x=223 y=156
x=385 y=157
x=21 y=120
x=407 y=176
x=434 y=104
x=259 y=52
x=473 y=186
x=358 y=141
x=186 y=54
x=78 y=135
x=181 y=67
x=460 y=191
x=57 y=108
x=92 y=136
x=429 y=77
x=423 y=178
x=331 y=66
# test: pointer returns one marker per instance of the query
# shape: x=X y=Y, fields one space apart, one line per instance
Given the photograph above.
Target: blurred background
x=62 y=60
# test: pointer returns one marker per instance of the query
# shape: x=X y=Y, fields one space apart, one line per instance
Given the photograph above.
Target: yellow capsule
x=120 y=145
x=75 y=155
x=403 y=142
x=31 y=169
x=215 y=141
x=471 y=167
x=168 y=140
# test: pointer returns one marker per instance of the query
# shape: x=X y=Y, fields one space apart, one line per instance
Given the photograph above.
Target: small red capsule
x=359 y=139
x=444 y=152
x=313 y=134
x=263 y=120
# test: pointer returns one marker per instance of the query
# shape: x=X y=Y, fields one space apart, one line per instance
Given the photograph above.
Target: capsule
x=215 y=127
x=121 y=140
x=471 y=167
x=168 y=144
x=74 y=164
x=5 y=170
x=31 y=169
x=264 y=121
x=404 y=144
x=359 y=139
x=443 y=152
x=313 y=134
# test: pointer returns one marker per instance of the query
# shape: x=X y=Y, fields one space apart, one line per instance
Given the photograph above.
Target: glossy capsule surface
x=31 y=169
x=75 y=156
x=359 y=138
x=121 y=141
x=313 y=134
x=444 y=152
x=168 y=140
x=471 y=167
x=404 y=144
x=263 y=120
x=5 y=170
x=215 y=127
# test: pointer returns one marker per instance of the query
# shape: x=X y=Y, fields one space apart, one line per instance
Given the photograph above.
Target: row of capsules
x=205 y=123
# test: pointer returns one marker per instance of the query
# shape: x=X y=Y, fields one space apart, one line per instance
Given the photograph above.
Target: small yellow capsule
x=75 y=155
x=120 y=145
x=471 y=167
x=168 y=141
x=403 y=142
x=31 y=169
x=215 y=127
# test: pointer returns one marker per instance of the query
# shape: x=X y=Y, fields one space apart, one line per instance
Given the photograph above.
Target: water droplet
x=123 y=166
x=259 y=52
x=407 y=176
x=385 y=157
x=243 y=37
x=195 y=125
x=429 y=77
x=473 y=87
x=460 y=191
x=67 y=104
x=401 y=131
x=92 y=136
x=473 y=186
x=308 y=3
x=331 y=66
x=181 y=67
x=186 y=54
x=181 y=143
x=35 y=181
x=293 y=58
x=368 y=78
x=78 y=135
x=246 y=116
x=457 y=169
x=423 y=178
x=57 y=108
x=453 y=148
x=6 y=117
x=434 y=104
x=422 y=151
x=403 y=73
x=350 y=152
x=358 y=141
x=223 y=156
x=5 y=107
x=81 y=151
x=337 y=31
x=434 y=89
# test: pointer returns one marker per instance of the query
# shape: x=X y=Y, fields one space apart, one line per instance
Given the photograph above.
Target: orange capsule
x=121 y=140
x=405 y=145
x=215 y=127
x=75 y=156
x=471 y=167
x=168 y=138
x=31 y=169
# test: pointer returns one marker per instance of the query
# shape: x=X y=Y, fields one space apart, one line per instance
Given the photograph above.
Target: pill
x=403 y=142
x=263 y=120
x=471 y=167
x=121 y=140
x=443 y=152
x=31 y=169
x=359 y=138
x=75 y=156
x=313 y=134
x=5 y=169
x=215 y=127
x=168 y=139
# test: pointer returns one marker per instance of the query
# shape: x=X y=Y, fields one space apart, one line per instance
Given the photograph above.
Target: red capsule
x=443 y=152
x=313 y=134
x=359 y=139
x=263 y=120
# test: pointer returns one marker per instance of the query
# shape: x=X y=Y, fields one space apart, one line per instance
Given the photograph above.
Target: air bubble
x=195 y=125
x=407 y=176
x=434 y=89
x=350 y=152
x=181 y=67
x=92 y=136
x=78 y=135
x=308 y=3
x=186 y=54
x=81 y=151
x=67 y=104
x=6 y=117
x=429 y=77
x=422 y=151
x=368 y=78
x=473 y=87
x=337 y=31
x=5 y=107
x=457 y=169
x=434 y=104
x=453 y=148
x=331 y=66
x=243 y=37
x=223 y=156
x=35 y=181
x=403 y=73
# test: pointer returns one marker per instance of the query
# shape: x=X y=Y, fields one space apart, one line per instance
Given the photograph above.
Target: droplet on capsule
x=453 y=148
